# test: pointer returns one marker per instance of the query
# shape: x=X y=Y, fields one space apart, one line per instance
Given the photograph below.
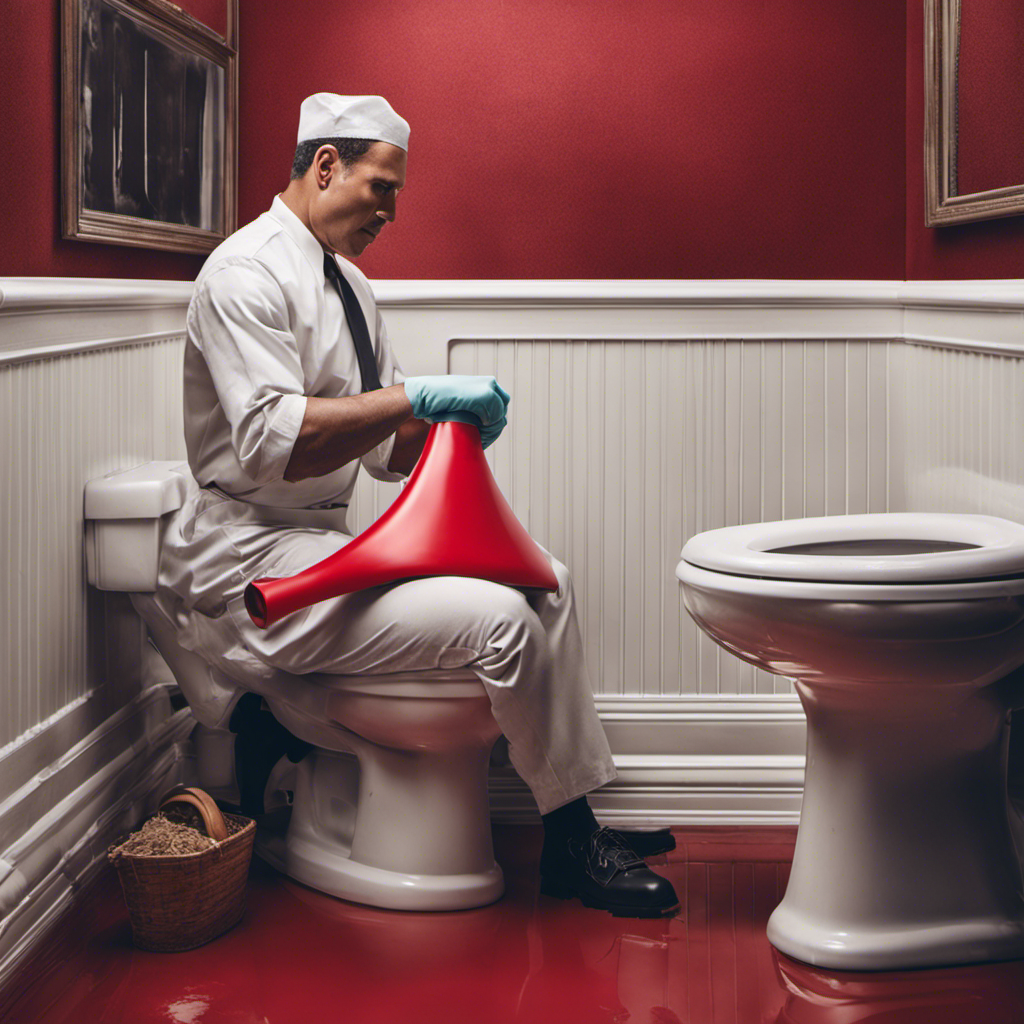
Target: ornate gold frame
x=941 y=44
x=169 y=22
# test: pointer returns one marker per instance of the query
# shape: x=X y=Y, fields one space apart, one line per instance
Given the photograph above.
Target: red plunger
x=450 y=520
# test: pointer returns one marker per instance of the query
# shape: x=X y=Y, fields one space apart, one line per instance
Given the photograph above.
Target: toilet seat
x=875 y=549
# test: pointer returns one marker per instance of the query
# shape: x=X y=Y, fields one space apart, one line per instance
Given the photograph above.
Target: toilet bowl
x=391 y=807
x=903 y=634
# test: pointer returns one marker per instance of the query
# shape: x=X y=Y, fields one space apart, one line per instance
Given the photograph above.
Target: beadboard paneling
x=617 y=451
x=65 y=420
x=965 y=417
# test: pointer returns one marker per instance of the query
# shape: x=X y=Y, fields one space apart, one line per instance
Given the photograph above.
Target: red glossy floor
x=299 y=956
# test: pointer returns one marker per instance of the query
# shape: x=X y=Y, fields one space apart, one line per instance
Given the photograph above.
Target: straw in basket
x=179 y=902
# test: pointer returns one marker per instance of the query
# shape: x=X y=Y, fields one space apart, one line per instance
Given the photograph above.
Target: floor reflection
x=975 y=994
x=299 y=956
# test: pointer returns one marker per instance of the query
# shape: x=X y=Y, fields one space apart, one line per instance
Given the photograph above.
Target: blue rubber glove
x=489 y=434
x=481 y=397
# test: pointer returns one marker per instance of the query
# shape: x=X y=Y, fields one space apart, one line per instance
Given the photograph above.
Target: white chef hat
x=325 y=115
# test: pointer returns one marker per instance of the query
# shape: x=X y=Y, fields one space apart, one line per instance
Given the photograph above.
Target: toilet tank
x=124 y=521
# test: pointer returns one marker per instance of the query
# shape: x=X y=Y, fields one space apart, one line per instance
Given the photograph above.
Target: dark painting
x=151 y=117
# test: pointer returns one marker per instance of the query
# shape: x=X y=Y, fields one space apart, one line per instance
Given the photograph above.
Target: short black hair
x=349 y=152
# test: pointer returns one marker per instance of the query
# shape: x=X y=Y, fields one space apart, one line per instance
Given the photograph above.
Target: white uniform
x=264 y=331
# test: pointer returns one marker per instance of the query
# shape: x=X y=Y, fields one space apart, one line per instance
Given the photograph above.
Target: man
x=281 y=408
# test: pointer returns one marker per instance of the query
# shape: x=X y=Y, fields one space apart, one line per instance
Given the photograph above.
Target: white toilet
x=391 y=809
x=900 y=631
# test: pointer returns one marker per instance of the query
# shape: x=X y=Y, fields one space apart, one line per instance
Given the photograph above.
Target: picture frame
x=149 y=125
x=947 y=200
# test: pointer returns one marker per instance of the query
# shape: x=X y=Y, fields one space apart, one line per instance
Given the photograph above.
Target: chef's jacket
x=263 y=332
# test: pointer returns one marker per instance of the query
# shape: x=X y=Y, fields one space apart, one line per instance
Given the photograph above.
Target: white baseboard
x=677 y=790
x=126 y=763
x=728 y=759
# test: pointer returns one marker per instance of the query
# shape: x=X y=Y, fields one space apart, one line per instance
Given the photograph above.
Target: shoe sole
x=561 y=891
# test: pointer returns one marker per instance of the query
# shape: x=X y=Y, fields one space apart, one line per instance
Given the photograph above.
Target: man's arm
x=410 y=438
x=336 y=431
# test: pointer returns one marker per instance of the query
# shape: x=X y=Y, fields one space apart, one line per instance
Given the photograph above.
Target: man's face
x=351 y=205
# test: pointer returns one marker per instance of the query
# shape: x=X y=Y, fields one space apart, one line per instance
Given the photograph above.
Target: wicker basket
x=181 y=902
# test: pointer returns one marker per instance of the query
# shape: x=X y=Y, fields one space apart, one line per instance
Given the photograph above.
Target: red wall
x=30 y=218
x=607 y=138
x=991 y=248
x=565 y=138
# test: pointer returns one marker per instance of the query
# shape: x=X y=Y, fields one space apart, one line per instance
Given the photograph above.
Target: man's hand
x=489 y=434
x=482 y=397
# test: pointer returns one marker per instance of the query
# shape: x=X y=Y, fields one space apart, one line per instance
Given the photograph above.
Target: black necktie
x=356 y=324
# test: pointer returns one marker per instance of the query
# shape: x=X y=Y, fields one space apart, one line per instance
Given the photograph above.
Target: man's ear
x=325 y=164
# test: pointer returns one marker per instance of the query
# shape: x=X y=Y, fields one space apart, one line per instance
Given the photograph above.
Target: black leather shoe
x=647 y=842
x=605 y=874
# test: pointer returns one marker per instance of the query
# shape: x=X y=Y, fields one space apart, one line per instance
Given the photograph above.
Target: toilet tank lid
x=145 y=492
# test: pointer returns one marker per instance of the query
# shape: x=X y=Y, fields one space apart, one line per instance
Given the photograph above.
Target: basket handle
x=216 y=827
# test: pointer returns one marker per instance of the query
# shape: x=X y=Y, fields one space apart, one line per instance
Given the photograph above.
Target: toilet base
x=886 y=949
x=905 y=856
x=314 y=842
x=325 y=867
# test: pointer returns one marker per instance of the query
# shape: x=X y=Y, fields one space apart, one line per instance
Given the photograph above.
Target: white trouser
x=526 y=651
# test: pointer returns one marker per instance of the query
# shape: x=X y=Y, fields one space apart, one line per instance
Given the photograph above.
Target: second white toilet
x=904 y=634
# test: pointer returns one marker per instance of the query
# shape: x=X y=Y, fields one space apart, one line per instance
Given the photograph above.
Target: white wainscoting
x=965 y=431
x=621 y=449
x=66 y=420
x=643 y=411
x=90 y=381
x=963 y=368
